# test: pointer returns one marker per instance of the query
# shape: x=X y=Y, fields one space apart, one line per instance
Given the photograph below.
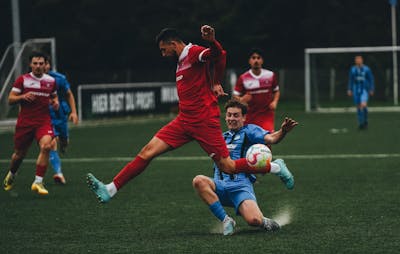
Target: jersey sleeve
x=239 y=87
x=275 y=85
x=256 y=134
x=350 y=83
x=18 y=85
x=202 y=54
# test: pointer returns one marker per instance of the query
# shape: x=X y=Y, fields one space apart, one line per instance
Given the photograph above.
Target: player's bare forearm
x=276 y=137
x=73 y=116
x=208 y=34
x=54 y=102
x=274 y=103
x=15 y=97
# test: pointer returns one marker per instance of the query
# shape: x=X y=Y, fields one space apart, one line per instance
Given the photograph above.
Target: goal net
x=14 y=62
x=327 y=73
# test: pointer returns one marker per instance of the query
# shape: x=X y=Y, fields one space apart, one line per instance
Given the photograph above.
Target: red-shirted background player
x=258 y=88
x=34 y=92
x=198 y=117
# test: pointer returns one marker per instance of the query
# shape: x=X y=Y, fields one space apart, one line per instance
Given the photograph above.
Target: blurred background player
x=236 y=190
x=360 y=86
x=198 y=117
x=33 y=92
x=59 y=119
x=258 y=88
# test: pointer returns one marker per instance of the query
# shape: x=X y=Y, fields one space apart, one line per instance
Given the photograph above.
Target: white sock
x=275 y=168
x=38 y=179
x=111 y=188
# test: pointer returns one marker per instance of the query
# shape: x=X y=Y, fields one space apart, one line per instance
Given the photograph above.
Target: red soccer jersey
x=196 y=98
x=261 y=88
x=37 y=111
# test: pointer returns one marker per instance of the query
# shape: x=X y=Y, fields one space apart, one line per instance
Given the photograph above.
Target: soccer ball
x=258 y=155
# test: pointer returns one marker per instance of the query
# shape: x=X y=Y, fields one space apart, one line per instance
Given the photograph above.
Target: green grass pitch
x=346 y=197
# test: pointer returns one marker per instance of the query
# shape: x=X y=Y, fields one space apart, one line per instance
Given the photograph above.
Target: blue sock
x=365 y=111
x=217 y=209
x=360 y=116
x=55 y=161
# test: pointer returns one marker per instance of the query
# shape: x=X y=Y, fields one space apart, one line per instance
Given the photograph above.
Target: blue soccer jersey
x=62 y=88
x=361 y=80
x=238 y=142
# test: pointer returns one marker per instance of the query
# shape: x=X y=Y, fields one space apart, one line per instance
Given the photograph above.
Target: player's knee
x=45 y=147
x=200 y=182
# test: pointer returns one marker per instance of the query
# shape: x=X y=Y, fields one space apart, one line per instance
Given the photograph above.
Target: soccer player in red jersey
x=198 y=117
x=34 y=92
x=258 y=88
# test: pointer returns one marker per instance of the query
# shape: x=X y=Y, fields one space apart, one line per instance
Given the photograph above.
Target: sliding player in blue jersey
x=361 y=85
x=59 y=120
x=236 y=190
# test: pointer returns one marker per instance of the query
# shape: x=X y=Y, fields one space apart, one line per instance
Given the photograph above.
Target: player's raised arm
x=215 y=50
x=275 y=137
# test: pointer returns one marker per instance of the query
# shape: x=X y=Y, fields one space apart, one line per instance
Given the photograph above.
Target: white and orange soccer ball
x=258 y=155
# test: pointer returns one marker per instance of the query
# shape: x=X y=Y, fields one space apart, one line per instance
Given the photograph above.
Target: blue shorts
x=233 y=193
x=60 y=128
x=361 y=97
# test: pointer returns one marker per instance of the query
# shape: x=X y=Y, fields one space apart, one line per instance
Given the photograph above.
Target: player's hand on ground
x=207 y=33
x=29 y=97
x=218 y=90
x=288 y=124
x=73 y=117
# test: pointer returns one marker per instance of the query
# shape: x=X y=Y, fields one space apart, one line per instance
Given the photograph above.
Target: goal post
x=324 y=68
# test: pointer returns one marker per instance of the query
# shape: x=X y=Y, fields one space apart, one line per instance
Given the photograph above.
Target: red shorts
x=265 y=120
x=207 y=133
x=24 y=135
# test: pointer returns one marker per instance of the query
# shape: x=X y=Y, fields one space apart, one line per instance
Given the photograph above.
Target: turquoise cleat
x=229 y=225
x=98 y=188
x=285 y=175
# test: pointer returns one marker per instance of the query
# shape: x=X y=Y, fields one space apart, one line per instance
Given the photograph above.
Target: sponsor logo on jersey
x=180 y=77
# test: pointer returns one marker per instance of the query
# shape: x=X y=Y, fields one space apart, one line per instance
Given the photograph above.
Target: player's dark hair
x=233 y=103
x=256 y=51
x=168 y=35
x=38 y=54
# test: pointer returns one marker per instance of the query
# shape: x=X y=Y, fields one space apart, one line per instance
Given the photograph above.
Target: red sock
x=41 y=170
x=241 y=166
x=131 y=170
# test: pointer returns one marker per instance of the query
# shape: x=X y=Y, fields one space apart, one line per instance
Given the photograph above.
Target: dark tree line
x=98 y=36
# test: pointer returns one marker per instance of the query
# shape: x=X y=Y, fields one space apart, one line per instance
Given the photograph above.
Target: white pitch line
x=200 y=158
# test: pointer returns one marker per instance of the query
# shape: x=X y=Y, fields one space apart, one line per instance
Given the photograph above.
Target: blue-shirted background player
x=361 y=85
x=59 y=119
x=236 y=190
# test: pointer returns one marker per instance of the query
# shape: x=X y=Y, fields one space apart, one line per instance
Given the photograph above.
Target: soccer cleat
x=8 y=181
x=39 y=188
x=59 y=178
x=270 y=225
x=229 y=225
x=98 y=188
x=285 y=175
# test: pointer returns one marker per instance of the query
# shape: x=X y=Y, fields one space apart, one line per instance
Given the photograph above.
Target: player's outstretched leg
x=270 y=225
x=284 y=174
x=98 y=188
x=229 y=225
x=8 y=181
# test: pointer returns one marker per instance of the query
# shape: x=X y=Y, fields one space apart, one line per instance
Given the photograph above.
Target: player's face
x=256 y=61
x=37 y=65
x=47 y=67
x=168 y=49
x=358 y=60
x=234 y=118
